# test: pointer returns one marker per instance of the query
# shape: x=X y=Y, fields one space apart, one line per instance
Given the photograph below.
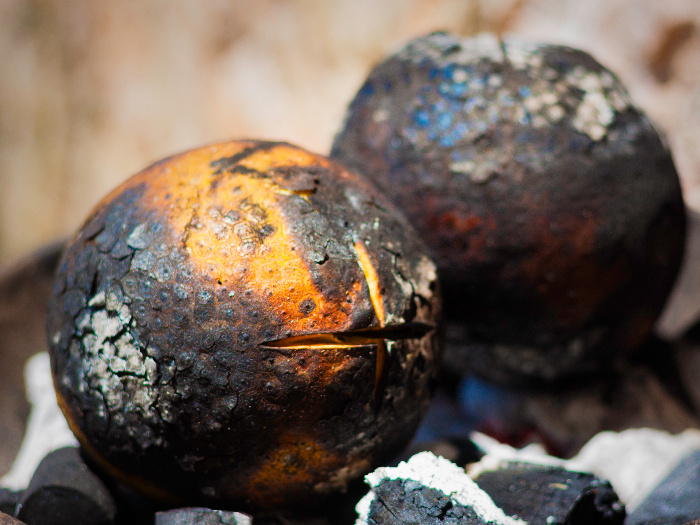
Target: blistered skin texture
x=246 y=324
x=551 y=205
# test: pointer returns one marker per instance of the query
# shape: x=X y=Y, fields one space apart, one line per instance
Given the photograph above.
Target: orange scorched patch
x=231 y=226
x=297 y=461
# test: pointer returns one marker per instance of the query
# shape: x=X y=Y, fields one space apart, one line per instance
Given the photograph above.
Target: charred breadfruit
x=247 y=325
x=551 y=204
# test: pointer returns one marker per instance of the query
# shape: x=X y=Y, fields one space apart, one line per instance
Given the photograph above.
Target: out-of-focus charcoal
x=202 y=516
x=458 y=449
x=24 y=292
x=687 y=361
x=547 y=495
x=63 y=490
x=567 y=417
x=427 y=490
x=641 y=394
x=676 y=500
x=6 y=519
x=8 y=500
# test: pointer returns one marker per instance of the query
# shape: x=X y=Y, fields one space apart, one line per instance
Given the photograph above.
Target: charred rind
x=159 y=359
x=231 y=163
x=549 y=201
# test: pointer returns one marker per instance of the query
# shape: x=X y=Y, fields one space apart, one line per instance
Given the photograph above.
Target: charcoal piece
x=457 y=449
x=676 y=500
x=400 y=501
x=201 y=516
x=8 y=500
x=6 y=519
x=63 y=490
x=547 y=495
x=427 y=489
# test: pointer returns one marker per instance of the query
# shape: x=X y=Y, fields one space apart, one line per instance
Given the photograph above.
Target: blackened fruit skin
x=550 y=203
x=180 y=317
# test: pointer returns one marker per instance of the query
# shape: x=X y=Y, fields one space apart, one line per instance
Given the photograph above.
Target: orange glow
x=232 y=227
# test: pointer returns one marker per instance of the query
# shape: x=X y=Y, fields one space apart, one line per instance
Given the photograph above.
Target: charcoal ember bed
x=634 y=427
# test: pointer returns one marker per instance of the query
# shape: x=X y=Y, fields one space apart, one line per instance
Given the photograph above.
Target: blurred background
x=92 y=92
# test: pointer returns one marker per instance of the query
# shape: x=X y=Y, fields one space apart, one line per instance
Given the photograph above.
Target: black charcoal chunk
x=401 y=501
x=457 y=449
x=550 y=495
x=9 y=500
x=676 y=500
x=201 y=516
x=427 y=490
x=64 y=490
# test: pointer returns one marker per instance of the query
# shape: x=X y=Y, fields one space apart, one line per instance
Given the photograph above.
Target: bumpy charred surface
x=550 y=203
x=246 y=323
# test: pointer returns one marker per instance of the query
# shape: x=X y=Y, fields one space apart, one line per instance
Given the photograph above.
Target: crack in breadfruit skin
x=549 y=201
x=191 y=317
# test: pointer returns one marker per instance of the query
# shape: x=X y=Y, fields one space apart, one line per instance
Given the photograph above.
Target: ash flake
x=601 y=100
x=593 y=115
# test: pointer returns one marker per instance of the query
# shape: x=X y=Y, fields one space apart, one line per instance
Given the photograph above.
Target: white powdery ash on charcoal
x=437 y=473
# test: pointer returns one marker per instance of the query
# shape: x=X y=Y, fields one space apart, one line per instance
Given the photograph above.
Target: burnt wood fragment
x=546 y=495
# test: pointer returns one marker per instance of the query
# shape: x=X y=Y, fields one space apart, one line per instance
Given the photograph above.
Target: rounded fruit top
x=549 y=201
x=246 y=324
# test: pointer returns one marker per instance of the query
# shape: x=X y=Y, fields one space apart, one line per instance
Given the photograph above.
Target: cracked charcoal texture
x=404 y=502
x=542 y=495
x=551 y=204
x=165 y=301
